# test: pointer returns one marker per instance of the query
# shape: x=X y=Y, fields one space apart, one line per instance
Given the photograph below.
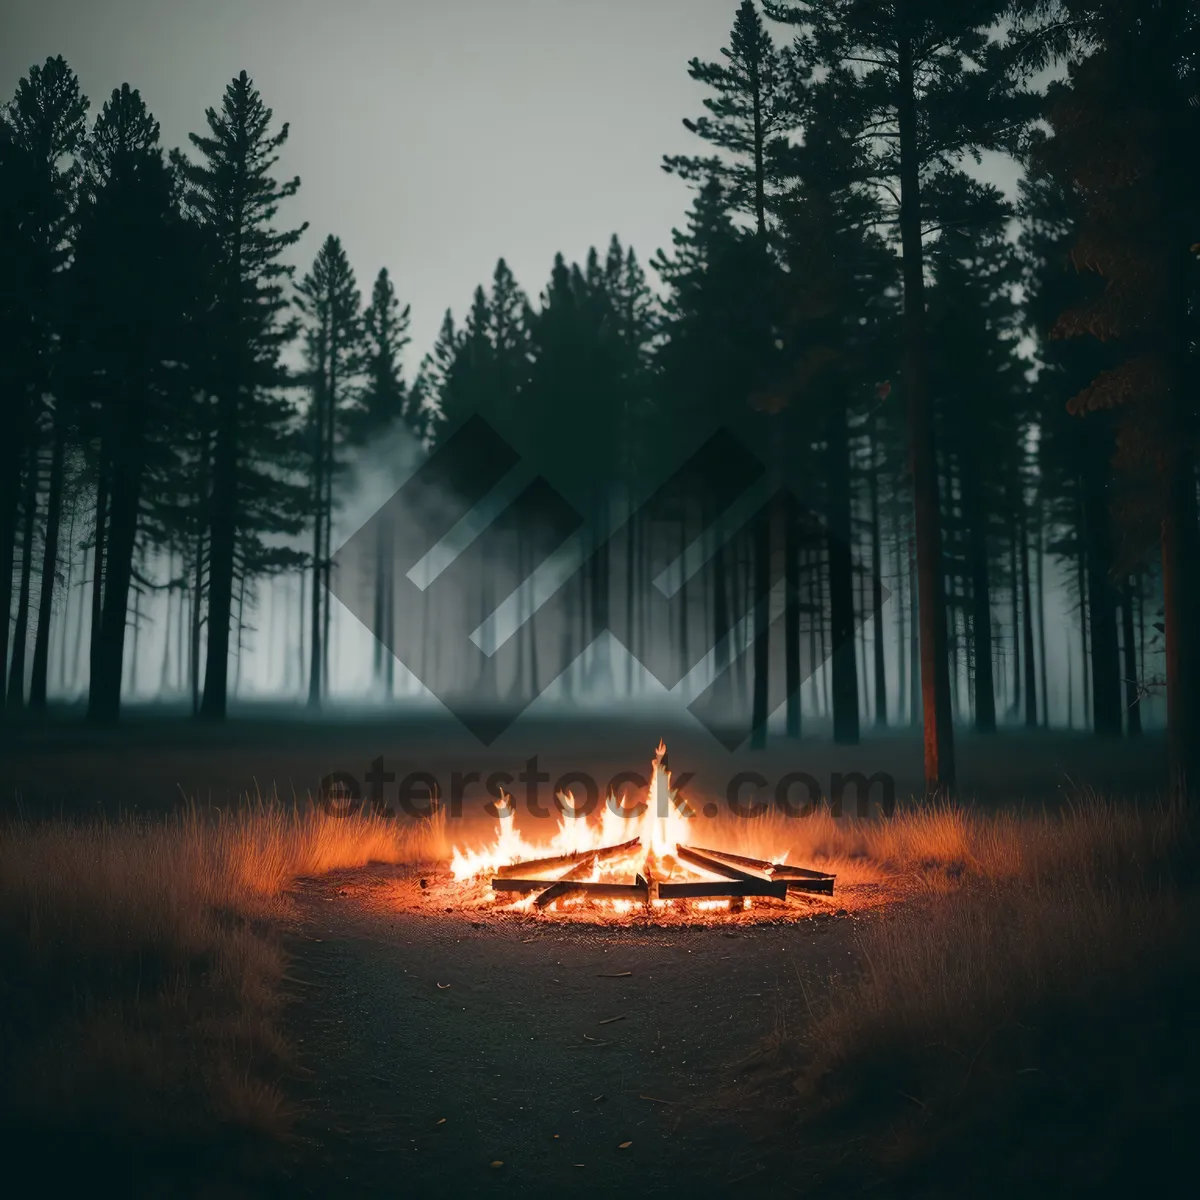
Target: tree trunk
x=327 y=597
x=11 y=453
x=860 y=642
x=683 y=604
x=841 y=580
x=1102 y=595
x=721 y=624
x=901 y=617
x=816 y=623
x=791 y=625
x=16 y=677
x=1014 y=570
x=241 y=626
x=41 y=640
x=316 y=658
x=68 y=584
x=743 y=581
x=180 y=625
x=378 y=616
x=203 y=508
x=914 y=636
x=195 y=614
x=300 y=639
x=1141 y=607
x=1179 y=616
x=1070 y=688
x=77 y=658
x=935 y=668
x=327 y=479
x=881 y=717
x=389 y=617
x=104 y=691
x=981 y=605
x=760 y=621
x=137 y=637
x=760 y=148
x=1132 y=710
x=630 y=614
x=1081 y=581
x=1031 y=717
x=1040 y=551
x=823 y=635
x=164 y=674
x=222 y=550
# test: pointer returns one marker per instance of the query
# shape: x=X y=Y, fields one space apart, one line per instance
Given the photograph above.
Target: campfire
x=600 y=865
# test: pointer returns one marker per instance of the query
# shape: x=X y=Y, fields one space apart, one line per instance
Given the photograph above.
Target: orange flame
x=659 y=821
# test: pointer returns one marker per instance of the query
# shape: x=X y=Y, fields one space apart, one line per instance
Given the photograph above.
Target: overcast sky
x=433 y=137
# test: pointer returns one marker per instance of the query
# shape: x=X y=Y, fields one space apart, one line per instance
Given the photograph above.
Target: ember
x=599 y=864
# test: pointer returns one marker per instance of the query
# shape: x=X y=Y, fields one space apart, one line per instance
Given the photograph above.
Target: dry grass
x=937 y=848
x=142 y=974
x=141 y=981
x=1026 y=1024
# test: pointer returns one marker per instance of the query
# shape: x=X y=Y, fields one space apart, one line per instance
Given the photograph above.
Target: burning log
x=594 y=891
x=701 y=859
x=715 y=889
x=659 y=860
x=799 y=879
x=566 y=884
x=535 y=865
x=805 y=883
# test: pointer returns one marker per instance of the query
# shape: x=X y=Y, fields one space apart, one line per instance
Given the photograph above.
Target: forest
x=987 y=398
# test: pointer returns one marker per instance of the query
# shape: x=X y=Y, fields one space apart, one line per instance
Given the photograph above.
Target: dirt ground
x=452 y=1057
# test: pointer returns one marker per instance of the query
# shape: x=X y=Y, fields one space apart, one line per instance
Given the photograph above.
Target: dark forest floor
x=156 y=759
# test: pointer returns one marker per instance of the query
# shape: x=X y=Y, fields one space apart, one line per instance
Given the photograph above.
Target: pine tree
x=435 y=376
x=236 y=197
x=462 y=369
x=137 y=287
x=718 y=335
x=928 y=83
x=384 y=398
x=509 y=335
x=835 y=312
x=19 y=357
x=1120 y=128
x=384 y=402
x=328 y=297
x=976 y=380
x=43 y=128
x=757 y=103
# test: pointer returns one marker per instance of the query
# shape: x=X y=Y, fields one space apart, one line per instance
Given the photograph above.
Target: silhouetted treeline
x=987 y=399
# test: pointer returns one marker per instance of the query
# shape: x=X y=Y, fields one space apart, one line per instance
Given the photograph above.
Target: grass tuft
x=141 y=972
x=1027 y=1026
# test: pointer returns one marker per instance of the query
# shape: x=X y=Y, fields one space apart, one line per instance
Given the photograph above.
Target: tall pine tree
x=330 y=300
x=929 y=83
x=236 y=196
x=137 y=288
x=44 y=127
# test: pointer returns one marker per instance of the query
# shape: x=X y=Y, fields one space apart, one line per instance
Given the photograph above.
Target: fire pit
x=602 y=866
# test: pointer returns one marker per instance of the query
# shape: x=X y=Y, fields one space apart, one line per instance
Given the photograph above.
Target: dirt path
x=439 y=1047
